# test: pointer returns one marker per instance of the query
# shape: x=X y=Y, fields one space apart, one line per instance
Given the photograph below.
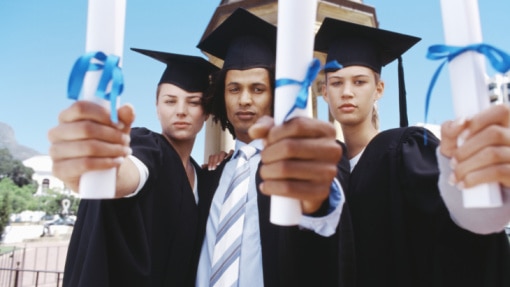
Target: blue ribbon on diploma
x=111 y=73
x=333 y=65
x=498 y=59
x=302 y=97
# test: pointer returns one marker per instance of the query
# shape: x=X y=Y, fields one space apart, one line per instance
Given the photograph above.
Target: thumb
x=261 y=128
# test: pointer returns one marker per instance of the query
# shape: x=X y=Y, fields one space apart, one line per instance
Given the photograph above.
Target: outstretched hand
x=86 y=139
x=299 y=159
x=484 y=155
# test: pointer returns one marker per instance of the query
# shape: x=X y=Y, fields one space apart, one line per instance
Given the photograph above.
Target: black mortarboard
x=353 y=44
x=243 y=41
x=190 y=73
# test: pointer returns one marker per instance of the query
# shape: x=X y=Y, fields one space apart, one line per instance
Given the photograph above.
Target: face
x=351 y=93
x=180 y=112
x=248 y=96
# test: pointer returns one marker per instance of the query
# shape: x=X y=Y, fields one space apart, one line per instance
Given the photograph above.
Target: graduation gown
x=403 y=233
x=150 y=239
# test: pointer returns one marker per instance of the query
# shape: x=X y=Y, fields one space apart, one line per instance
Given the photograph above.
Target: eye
x=359 y=82
x=195 y=103
x=170 y=101
x=259 y=89
x=233 y=90
x=335 y=83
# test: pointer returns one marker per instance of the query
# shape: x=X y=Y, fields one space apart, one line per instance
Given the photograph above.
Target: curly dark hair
x=214 y=98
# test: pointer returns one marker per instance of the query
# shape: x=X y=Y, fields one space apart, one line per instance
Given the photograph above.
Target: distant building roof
x=39 y=163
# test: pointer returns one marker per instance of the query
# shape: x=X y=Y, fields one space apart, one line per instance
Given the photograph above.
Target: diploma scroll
x=294 y=53
x=468 y=82
x=105 y=33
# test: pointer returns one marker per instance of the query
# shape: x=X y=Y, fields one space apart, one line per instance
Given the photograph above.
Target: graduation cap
x=243 y=41
x=353 y=44
x=190 y=73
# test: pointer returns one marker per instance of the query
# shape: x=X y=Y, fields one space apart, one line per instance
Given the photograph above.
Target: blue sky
x=40 y=40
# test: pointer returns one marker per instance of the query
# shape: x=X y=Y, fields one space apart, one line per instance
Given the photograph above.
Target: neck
x=245 y=138
x=357 y=138
x=183 y=149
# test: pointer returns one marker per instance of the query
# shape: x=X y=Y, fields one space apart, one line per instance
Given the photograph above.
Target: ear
x=379 y=89
x=324 y=91
x=157 y=112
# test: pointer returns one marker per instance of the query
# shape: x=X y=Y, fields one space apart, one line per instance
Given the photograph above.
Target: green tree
x=51 y=202
x=5 y=212
x=20 y=198
x=14 y=169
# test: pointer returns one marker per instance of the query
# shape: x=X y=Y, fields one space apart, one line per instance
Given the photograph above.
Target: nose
x=348 y=91
x=245 y=98
x=182 y=108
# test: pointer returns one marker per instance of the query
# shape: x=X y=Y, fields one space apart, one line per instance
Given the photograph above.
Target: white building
x=42 y=166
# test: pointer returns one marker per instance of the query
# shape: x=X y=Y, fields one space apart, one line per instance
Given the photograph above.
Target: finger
x=491 y=136
x=321 y=149
x=312 y=171
x=496 y=173
x=214 y=160
x=489 y=156
x=494 y=115
x=301 y=127
x=81 y=130
x=126 y=115
x=450 y=130
x=87 y=148
x=301 y=190
x=85 y=110
x=70 y=170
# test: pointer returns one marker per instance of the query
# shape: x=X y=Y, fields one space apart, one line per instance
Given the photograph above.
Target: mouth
x=245 y=115
x=347 y=107
x=181 y=124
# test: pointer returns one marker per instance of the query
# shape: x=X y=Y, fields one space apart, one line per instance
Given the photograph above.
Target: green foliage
x=20 y=198
x=5 y=212
x=14 y=169
x=51 y=203
x=17 y=191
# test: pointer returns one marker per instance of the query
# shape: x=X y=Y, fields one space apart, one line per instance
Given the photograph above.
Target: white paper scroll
x=105 y=33
x=461 y=23
x=294 y=53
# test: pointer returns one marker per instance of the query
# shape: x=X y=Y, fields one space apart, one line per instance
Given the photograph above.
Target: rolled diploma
x=105 y=33
x=294 y=53
x=461 y=23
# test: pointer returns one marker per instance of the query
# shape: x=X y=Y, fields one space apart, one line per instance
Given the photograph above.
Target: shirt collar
x=258 y=144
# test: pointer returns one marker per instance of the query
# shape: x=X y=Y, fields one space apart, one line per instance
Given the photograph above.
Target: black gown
x=151 y=239
x=403 y=233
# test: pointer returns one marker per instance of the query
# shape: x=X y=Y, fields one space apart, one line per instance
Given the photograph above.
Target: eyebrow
x=187 y=97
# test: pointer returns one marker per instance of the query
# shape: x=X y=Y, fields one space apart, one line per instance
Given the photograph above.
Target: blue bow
x=111 y=72
x=333 y=65
x=498 y=59
x=302 y=97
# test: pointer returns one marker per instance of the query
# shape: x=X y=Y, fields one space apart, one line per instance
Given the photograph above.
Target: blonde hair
x=375 y=116
x=375 y=112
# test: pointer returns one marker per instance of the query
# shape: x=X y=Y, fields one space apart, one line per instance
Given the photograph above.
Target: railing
x=40 y=266
x=37 y=278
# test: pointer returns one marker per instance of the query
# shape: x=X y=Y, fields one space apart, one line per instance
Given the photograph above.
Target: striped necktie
x=227 y=250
